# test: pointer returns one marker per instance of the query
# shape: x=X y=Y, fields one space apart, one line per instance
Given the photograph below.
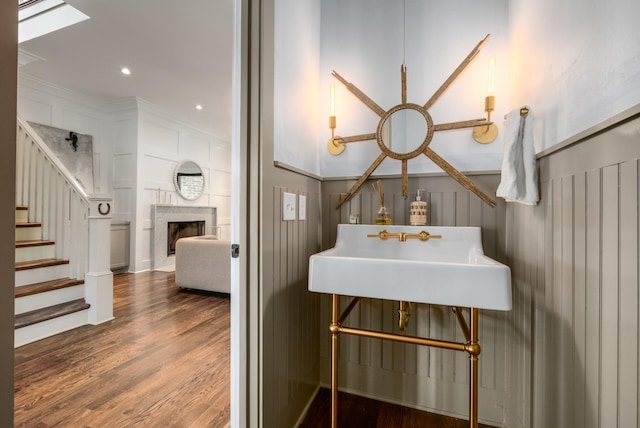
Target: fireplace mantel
x=161 y=215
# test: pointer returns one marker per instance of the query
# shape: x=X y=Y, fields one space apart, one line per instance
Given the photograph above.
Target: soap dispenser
x=418 y=211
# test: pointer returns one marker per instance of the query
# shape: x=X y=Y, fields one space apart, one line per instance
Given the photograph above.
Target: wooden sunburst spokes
x=423 y=148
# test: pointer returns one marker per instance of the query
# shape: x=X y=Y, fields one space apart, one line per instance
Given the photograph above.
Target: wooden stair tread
x=33 y=243
x=55 y=311
x=22 y=207
x=43 y=287
x=34 y=264
x=27 y=224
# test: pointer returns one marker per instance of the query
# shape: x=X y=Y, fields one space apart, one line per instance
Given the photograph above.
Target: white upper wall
x=48 y=104
x=363 y=41
x=297 y=44
x=136 y=149
x=366 y=42
x=162 y=143
x=575 y=63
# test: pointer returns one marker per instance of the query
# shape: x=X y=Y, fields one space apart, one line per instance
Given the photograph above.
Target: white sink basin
x=452 y=270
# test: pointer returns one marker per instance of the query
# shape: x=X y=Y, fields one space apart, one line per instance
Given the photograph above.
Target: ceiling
x=179 y=53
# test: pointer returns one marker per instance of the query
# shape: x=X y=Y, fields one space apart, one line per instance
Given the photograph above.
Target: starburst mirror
x=406 y=130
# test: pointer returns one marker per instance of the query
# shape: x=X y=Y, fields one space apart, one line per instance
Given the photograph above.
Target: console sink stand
x=471 y=347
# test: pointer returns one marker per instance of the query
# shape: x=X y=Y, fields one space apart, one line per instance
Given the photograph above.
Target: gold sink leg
x=335 y=336
x=403 y=315
x=473 y=348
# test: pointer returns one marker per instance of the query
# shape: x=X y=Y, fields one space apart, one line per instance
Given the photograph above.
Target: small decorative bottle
x=383 y=216
x=418 y=211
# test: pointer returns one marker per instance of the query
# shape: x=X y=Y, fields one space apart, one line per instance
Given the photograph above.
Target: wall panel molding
x=573 y=347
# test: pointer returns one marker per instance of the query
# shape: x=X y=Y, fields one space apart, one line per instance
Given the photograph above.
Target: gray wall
x=573 y=348
x=288 y=312
x=8 y=89
x=427 y=378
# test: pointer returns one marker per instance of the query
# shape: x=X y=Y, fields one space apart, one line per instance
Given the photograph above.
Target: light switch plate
x=288 y=206
x=302 y=207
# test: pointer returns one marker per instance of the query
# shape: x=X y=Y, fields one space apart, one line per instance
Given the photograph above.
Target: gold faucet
x=403 y=236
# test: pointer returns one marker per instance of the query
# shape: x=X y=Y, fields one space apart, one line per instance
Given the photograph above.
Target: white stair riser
x=33 y=276
x=51 y=327
x=28 y=233
x=22 y=216
x=50 y=298
x=26 y=254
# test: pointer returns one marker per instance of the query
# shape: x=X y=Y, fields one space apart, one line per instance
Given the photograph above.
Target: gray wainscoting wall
x=290 y=354
x=426 y=378
x=573 y=333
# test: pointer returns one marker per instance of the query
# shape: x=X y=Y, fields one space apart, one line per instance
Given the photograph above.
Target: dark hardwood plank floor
x=163 y=361
x=355 y=411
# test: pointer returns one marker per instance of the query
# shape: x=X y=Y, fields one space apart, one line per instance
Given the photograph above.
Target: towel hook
x=523 y=112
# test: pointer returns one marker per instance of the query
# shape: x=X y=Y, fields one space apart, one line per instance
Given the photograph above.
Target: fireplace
x=182 y=229
x=161 y=215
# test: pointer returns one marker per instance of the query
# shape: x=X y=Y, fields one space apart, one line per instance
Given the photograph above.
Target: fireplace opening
x=182 y=229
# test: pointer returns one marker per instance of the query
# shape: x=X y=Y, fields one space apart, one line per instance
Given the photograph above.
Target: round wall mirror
x=405 y=131
x=189 y=180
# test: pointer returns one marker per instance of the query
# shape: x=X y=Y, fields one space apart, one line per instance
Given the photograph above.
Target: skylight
x=39 y=17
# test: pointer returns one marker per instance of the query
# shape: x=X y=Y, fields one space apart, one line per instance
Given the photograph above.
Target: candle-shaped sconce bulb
x=492 y=76
x=490 y=99
x=332 y=107
x=332 y=99
x=335 y=144
x=488 y=133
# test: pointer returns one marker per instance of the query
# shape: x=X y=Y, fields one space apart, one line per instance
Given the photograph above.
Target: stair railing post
x=99 y=278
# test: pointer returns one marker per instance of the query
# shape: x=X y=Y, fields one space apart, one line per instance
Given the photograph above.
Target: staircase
x=47 y=301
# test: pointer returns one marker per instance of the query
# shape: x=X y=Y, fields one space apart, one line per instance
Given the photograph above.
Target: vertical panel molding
x=573 y=349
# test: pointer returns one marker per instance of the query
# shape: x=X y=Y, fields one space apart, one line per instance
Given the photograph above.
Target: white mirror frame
x=198 y=185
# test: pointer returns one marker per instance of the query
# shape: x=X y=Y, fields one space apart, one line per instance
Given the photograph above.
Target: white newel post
x=99 y=278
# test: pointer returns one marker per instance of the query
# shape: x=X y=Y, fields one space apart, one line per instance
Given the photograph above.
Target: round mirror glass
x=404 y=131
x=189 y=180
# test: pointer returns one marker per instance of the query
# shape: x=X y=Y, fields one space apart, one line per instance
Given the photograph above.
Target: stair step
x=26 y=231
x=51 y=312
x=22 y=213
x=34 y=243
x=43 y=287
x=34 y=250
x=35 y=264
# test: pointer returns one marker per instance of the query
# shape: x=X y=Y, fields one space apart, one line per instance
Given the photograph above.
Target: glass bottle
x=383 y=216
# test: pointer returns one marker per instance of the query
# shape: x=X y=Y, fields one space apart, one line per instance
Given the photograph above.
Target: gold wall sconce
x=406 y=130
x=335 y=145
x=488 y=133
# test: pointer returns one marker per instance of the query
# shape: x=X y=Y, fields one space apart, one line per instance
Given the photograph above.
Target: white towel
x=519 y=182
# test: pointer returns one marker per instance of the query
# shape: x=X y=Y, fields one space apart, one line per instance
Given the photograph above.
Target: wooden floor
x=163 y=361
x=355 y=411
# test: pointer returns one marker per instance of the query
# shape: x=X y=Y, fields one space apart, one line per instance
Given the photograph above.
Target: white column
x=99 y=278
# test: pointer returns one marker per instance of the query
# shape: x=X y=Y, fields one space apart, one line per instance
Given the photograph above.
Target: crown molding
x=153 y=110
x=25 y=58
x=28 y=81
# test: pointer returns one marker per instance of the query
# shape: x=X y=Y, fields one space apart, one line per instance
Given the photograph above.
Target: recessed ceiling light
x=199 y=107
x=126 y=71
